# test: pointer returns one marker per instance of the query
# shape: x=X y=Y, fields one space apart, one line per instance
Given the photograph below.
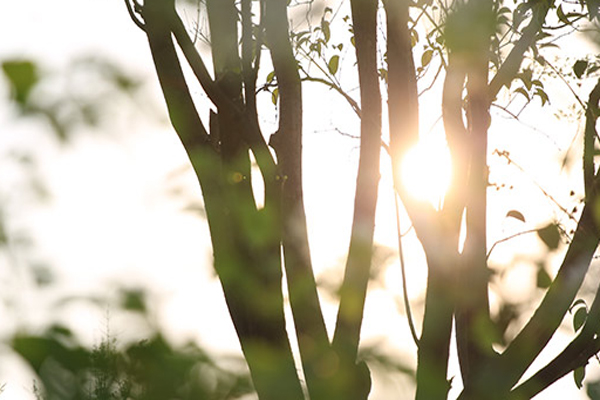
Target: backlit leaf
x=579 y=68
x=523 y=92
x=550 y=235
x=515 y=214
x=561 y=15
x=426 y=57
x=543 y=280
x=579 y=376
x=579 y=318
x=22 y=76
x=333 y=64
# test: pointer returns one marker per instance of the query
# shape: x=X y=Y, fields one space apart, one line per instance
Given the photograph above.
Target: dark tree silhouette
x=480 y=46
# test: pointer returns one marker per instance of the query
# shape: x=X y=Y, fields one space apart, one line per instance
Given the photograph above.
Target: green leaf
x=592 y=6
x=579 y=68
x=579 y=376
x=523 y=92
x=426 y=57
x=326 y=30
x=133 y=300
x=383 y=73
x=414 y=38
x=593 y=390
x=275 y=96
x=333 y=64
x=543 y=280
x=22 y=76
x=550 y=235
x=542 y=95
x=271 y=76
x=526 y=77
x=561 y=15
x=579 y=318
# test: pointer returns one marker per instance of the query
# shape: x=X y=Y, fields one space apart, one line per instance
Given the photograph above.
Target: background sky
x=122 y=205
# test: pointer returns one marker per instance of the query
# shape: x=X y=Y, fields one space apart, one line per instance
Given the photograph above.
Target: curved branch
x=409 y=317
x=253 y=136
x=337 y=88
x=575 y=355
x=590 y=134
x=132 y=14
x=503 y=373
x=354 y=287
x=313 y=341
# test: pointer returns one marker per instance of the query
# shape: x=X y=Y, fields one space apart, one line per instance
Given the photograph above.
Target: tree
x=480 y=47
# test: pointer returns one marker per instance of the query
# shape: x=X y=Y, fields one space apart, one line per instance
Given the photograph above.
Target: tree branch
x=512 y=63
x=287 y=141
x=354 y=287
x=575 y=355
x=589 y=138
x=500 y=375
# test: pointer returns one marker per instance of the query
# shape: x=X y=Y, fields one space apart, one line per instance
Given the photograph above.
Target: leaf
x=515 y=214
x=550 y=235
x=579 y=68
x=543 y=280
x=326 y=30
x=592 y=6
x=579 y=318
x=593 y=390
x=542 y=95
x=275 y=96
x=414 y=38
x=523 y=92
x=383 y=73
x=579 y=376
x=426 y=57
x=22 y=76
x=578 y=302
x=561 y=15
x=333 y=64
x=271 y=76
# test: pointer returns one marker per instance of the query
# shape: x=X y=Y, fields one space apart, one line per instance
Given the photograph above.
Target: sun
x=427 y=170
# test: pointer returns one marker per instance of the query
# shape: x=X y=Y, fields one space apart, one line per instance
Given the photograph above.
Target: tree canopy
x=474 y=55
x=498 y=101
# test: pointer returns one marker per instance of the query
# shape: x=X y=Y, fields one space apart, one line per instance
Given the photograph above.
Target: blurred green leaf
x=579 y=68
x=593 y=390
x=22 y=76
x=543 y=280
x=133 y=300
x=550 y=235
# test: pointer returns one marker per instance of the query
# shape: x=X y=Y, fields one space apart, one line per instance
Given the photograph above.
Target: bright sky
x=115 y=216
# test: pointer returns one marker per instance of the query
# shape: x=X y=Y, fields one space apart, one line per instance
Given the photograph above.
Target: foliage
x=474 y=54
x=146 y=370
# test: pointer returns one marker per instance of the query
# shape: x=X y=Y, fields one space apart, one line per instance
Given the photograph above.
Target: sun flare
x=427 y=170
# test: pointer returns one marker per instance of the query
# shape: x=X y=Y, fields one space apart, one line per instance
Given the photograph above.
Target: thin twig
x=409 y=318
x=509 y=238
x=132 y=13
